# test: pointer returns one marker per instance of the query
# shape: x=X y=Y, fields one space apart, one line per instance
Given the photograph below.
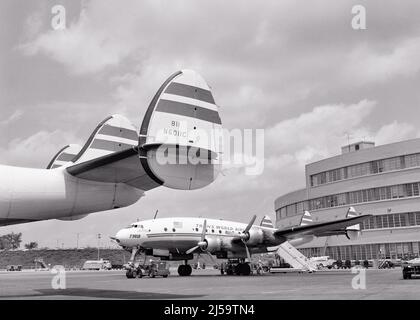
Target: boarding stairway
x=294 y=257
x=41 y=263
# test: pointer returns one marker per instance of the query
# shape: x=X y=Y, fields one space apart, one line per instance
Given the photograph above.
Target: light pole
x=77 y=243
x=99 y=239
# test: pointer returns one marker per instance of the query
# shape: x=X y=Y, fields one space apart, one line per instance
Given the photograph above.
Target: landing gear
x=184 y=269
x=134 y=273
x=236 y=267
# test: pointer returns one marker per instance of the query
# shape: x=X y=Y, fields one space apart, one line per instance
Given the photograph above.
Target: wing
x=322 y=229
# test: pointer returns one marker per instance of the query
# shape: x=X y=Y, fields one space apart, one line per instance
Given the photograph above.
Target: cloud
x=16 y=115
x=98 y=40
x=36 y=150
x=396 y=131
x=365 y=64
x=318 y=131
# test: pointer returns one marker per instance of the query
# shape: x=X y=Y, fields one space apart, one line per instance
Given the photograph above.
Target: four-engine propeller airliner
x=180 y=238
x=117 y=164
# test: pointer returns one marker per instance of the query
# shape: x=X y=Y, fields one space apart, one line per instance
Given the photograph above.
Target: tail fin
x=115 y=133
x=180 y=134
x=266 y=222
x=352 y=232
x=351 y=213
x=182 y=123
x=64 y=156
x=306 y=219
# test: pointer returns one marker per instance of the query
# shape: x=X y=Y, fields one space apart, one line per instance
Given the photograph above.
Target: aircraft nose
x=122 y=236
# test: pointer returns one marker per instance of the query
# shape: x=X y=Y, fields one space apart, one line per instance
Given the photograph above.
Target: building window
x=367 y=168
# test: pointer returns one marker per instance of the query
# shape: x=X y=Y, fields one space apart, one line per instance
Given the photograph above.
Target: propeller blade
x=248 y=227
x=247 y=252
x=192 y=249
x=203 y=234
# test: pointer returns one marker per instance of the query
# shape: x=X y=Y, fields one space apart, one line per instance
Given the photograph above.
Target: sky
x=296 y=69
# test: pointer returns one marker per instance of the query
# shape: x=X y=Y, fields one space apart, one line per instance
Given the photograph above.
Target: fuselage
x=28 y=194
x=177 y=235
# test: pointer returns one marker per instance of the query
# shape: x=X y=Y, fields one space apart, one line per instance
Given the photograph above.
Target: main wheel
x=188 y=270
x=129 y=274
x=181 y=270
x=244 y=269
x=134 y=274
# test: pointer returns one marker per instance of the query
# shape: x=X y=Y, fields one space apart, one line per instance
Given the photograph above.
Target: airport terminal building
x=380 y=180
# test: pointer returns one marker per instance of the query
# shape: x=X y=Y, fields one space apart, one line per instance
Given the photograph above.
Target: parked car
x=14 y=268
x=323 y=262
x=97 y=265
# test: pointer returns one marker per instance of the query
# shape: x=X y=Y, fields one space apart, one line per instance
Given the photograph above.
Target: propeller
x=202 y=243
x=245 y=236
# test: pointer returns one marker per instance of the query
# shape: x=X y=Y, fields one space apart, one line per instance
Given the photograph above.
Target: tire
x=181 y=270
x=165 y=276
x=188 y=270
x=140 y=274
x=245 y=269
x=129 y=274
x=237 y=270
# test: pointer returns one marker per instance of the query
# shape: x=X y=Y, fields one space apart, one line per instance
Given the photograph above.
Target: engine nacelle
x=213 y=244
x=256 y=236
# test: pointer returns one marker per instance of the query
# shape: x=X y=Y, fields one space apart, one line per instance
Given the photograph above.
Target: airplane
x=177 y=147
x=180 y=238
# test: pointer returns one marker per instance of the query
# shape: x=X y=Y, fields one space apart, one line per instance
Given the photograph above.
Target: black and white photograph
x=228 y=151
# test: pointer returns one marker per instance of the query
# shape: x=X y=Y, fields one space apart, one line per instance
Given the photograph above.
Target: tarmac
x=209 y=284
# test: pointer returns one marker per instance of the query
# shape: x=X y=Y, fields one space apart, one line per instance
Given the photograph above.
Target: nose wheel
x=184 y=270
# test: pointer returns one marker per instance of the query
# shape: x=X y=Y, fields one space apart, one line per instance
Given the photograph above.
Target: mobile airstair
x=294 y=258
